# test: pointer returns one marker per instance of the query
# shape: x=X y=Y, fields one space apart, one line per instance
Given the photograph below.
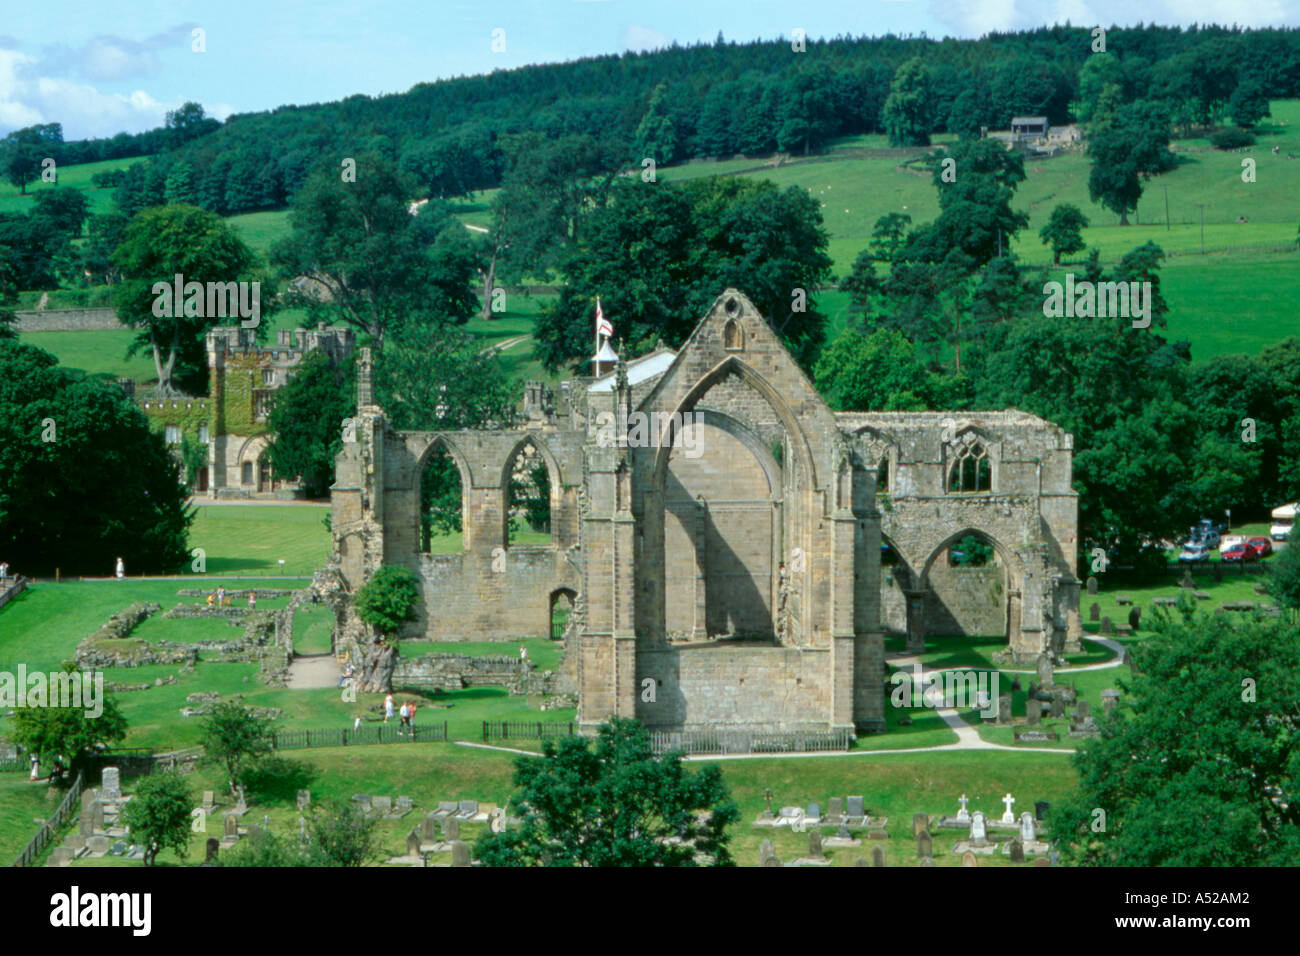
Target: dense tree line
x=720 y=99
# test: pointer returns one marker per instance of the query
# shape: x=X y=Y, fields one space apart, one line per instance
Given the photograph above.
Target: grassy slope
x=78 y=177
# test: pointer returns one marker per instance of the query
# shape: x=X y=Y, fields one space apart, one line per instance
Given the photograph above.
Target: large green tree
x=659 y=254
x=159 y=815
x=613 y=804
x=909 y=111
x=1064 y=231
x=1207 y=733
x=307 y=420
x=1128 y=148
x=159 y=244
x=23 y=152
x=356 y=253
x=69 y=734
x=235 y=737
x=83 y=479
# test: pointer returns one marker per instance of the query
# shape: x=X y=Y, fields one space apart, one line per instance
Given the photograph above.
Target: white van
x=1283 y=519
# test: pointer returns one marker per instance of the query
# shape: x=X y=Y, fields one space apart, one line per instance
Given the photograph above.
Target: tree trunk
x=374 y=666
x=489 y=281
x=1123 y=217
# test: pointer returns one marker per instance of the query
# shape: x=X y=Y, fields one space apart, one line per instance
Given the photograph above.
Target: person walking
x=388 y=708
x=410 y=718
x=120 y=570
x=4 y=570
x=406 y=718
x=252 y=601
x=523 y=653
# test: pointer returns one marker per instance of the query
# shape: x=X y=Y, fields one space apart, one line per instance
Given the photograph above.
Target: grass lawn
x=247 y=539
x=100 y=352
x=77 y=177
x=894 y=787
x=22 y=803
x=312 y=627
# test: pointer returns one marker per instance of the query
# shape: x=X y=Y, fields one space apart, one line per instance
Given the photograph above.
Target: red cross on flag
x=602 y=324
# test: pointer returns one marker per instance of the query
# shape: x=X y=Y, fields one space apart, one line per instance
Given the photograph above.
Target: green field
x=77 y=177
x=253 y=539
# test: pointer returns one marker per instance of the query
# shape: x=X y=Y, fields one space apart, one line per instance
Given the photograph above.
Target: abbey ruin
x=734 y=551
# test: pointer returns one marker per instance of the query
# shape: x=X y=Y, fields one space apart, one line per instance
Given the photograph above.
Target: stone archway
x=972 y=599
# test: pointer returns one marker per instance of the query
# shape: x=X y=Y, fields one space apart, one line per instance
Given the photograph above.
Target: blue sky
x=100 y=71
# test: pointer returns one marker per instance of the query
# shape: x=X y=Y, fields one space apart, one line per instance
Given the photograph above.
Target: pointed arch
x=554 y=497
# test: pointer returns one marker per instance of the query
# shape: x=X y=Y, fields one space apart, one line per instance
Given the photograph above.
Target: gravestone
x=405 y=804
x=413 y=843
x=767 y=805
x=98 y=845
x=861 y=861
x=1094 y=612
x=87 y=823
x=61 y=856
x=963 y=815
x=1187 y=581
x=111 y=784
x=814 y=811
x=381 y=805
x=429 y=829
x=209 y=800
x=1028 y=832
x=856 y=807
x=75 y=842
x=304 y=800
x=978 y=829
x=969 y=859
x=241 y=805
x=877 y=856
x=835 y=810
x=1044 y=668
x=1033 y=712
x=1058 y=706
x=97 y=814
x=1134 y=617
x=1109 y=700
x=766 y=851
x=843 y=832
x=815 y=845
x=1092 y=585
x=924 y=843
x=1004 y=709
x=1106 y=628
x=920 y=822
x=459 y=853
x=231 y=825
x=497 y=820
x=451 y=829
x=88 y=797
x=1017 y=851
x=212 y=847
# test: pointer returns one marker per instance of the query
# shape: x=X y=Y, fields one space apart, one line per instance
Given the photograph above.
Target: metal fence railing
x=52 y=825
x=386 y=734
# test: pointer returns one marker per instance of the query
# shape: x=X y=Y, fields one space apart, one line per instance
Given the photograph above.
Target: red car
x=1239 y=552
x=1261 y=546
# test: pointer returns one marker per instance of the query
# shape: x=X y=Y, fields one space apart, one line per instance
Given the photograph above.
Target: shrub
x=1232 y=138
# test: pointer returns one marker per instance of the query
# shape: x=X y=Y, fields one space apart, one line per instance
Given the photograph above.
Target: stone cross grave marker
x=963 y=815
x=1008 y=816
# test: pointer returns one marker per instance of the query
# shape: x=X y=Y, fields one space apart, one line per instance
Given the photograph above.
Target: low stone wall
x=458 y=671
x=12 y=588
x=67 y=320
x=236 y=593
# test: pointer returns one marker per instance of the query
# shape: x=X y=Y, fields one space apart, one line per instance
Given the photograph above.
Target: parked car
x=1261 y=546
x=1231 y=540
x=1239 y=552
x=1193 y=551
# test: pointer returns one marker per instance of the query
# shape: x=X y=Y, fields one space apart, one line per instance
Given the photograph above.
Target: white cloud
x=974 y=18
x=84 y=111
x=1076 y=13
x=637 y=37
x=1257 y=13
